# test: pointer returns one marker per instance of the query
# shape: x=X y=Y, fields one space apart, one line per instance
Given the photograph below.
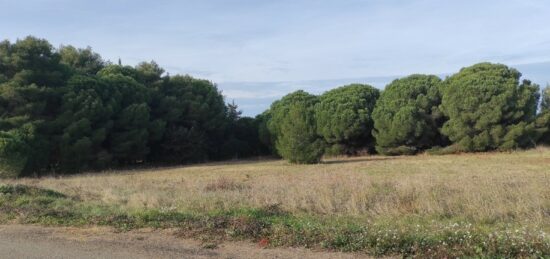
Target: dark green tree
x=119 y=70
x=235 y=143
x=343 y=117
x=233 y=112
x=542 y=127
x=32 y=83
x=292 y=128
x=407 y=117
x=194 y=113
x=242 y=137
x=298 y=141
x=67 y=110
x=233 y=147
x=265 y=138
x=89 y=108
x=545 y=99
x=489 y=108
x=149 y=72
x=81 y=61
x=32 y=61
x=129 y=136
x=543 y=118
x=280 y=108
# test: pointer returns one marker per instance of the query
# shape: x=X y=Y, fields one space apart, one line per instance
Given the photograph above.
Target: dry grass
x=492 y=187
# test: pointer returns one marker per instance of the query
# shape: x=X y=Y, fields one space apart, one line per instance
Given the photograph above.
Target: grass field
x=490 y=204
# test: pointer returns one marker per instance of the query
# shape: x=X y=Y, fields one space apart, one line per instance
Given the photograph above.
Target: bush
x=22 y=151
x=14 y=153
x=407 y=117
x=344 y=119
x=488 y=108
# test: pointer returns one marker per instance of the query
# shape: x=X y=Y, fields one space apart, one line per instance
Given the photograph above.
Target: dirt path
x=23 y=241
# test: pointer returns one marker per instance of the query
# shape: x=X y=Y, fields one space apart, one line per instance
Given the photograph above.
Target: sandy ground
x=24 y=241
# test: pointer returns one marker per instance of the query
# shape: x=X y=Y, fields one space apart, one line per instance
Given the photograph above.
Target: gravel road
x=24 y=241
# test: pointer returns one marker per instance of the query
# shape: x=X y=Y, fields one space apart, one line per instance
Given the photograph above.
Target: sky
x=257 y=50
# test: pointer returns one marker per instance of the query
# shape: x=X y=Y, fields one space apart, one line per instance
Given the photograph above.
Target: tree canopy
x=407 y=116
x=68 y=110
x=292 y=128
x=280 y=109
x=489 y=108
x=343 y=117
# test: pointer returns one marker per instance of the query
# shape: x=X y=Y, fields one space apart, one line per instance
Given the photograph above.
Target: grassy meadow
x=483 y=204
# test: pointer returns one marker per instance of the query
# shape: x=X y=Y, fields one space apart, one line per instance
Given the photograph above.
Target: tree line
x=481 y=108
x=67 y=110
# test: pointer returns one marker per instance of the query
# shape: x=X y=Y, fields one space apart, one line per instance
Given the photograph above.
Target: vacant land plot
x=469 y=204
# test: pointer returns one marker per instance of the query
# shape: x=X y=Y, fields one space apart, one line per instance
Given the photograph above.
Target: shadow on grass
x=139 y=168
x=359 y=159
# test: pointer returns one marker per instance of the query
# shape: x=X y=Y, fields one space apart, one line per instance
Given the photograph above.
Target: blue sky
x=257 y=51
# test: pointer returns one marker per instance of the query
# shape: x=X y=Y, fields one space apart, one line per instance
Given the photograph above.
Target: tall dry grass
x=509 y=187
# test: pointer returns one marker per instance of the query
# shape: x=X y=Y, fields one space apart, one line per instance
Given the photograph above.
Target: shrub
x=14 y=153
x=23 y=151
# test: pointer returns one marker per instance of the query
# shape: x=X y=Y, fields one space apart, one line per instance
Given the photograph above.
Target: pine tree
x=298 y=141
